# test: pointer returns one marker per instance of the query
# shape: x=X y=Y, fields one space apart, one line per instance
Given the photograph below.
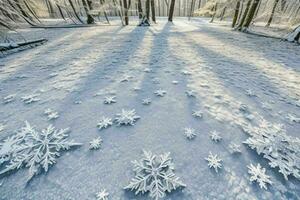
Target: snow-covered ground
x=235 y=79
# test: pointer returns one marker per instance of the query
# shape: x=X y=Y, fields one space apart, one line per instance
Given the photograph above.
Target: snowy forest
x=149 y=99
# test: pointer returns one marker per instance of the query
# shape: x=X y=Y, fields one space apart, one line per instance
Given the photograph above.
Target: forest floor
x=226 y=70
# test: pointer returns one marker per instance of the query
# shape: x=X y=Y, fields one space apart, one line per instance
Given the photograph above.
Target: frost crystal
x=8 y=99
x=126 y=117
x=234 y=148
x=190 y=93
x=198 y=114
x=258 y=174
x=96 y=143
x=146 y=101
x=160 y=92
x=189 y=133
x=110 y=99
x=51 y=114
x=154 y=174
x=275 y=145
x=215 y=136
x=32 y=149
x=30 y=98
x=214 y=161
x=103 y=195
x=104 y=123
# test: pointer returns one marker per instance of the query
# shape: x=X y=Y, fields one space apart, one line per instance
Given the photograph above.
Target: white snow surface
x=223 y=66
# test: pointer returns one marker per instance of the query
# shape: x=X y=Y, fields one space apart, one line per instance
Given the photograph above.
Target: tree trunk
x=171 y=10
x=125 y=12
x=153 y=11
x=272 y=13
x=215 y=12
x=251 y=13
x=90 y=19
x=241 y=23
x=223 y=14
x=192 y=8
x=236 y=14
x=147 y=9
x=199 y=5
x=140 y=9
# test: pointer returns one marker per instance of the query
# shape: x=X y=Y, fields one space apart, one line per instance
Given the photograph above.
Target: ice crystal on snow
x=146 y=101
x=51 y=114
x=214 y=161
x=154 y=174
x=32 y=149
x=292 y=118
x=96 y=143
x=234 y=148
x=104 y=123
x=8 y=99
x=190 y=93
x=30 y=98
x=103 y=195
x=215 y=136
x=189 y=133
x=198 y=114
x=126 y=78
x=110 y=99
x=275 y=145
x=126 y=117
x=258 y=174
x=160 y=92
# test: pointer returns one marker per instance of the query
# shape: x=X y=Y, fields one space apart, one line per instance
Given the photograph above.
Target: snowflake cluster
x=33 y=149
x=154 y=174
x=258 y=174
x=275 y=145
x=126 y=117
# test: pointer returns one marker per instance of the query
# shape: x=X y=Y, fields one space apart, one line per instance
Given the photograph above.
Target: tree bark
x=251 y=13
x=90 y=19
x=147 y=9
x=236 y=14
x=215 y=12
x=153 y=11
x=171 y=12
x=272 y=13
x=125 y=12
x=140 y=9
x=241 y=23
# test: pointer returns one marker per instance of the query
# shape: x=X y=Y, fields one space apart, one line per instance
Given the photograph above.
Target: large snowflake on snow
x=105 y=122
x=258 y=174
x=126 y=117
x=214 y=161
x=154 y=174
x=274 y=144
x=32 y=149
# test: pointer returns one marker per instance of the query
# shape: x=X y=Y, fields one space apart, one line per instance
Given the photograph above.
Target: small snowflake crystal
x=215 y=136
x=146 y=101
x=96 y=143
x=103 y=195
x=214 y=161
x=234 y=148
x=33 y=149
x=126 y=117
x=198 y=114
x=30 y=98
x=250 y=93
x=258 y=174
x=51 y=114
x=8 y=99
x=110 y=99
x=154 y=174
x=190 y=93
x=104 y=123
x=160 y=92
x=189 y=133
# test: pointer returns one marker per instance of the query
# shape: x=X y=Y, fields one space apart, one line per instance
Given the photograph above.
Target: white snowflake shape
x=154 y=174
x=146 y=101
x=189 y=133
x=126 y=78
x=32 y=149
x=96 y=143
x=234 y=148
x=190 y=93
x=103 y=195
x=160 y=92
x=51 y=114
x=258 y=174
x=110 y=99
x=104 y=123
x=8 y=99
x=30 y=98
x=215 y=136
x=198 y=114
x=175 y=82
x=126 y=117
x=214 y=161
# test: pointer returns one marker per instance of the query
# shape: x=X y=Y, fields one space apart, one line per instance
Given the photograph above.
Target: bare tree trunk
x=153 y=11
x=251 y=13
x=241 y=23
x=223 y=14
x=192 y=8
x=147 y=6
x=171 y=10
x=236 y=14
x=140 y=9
x=215 y=12
x=90 y=19
x=199 y=5
x=272 y=13
x=125 y=12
